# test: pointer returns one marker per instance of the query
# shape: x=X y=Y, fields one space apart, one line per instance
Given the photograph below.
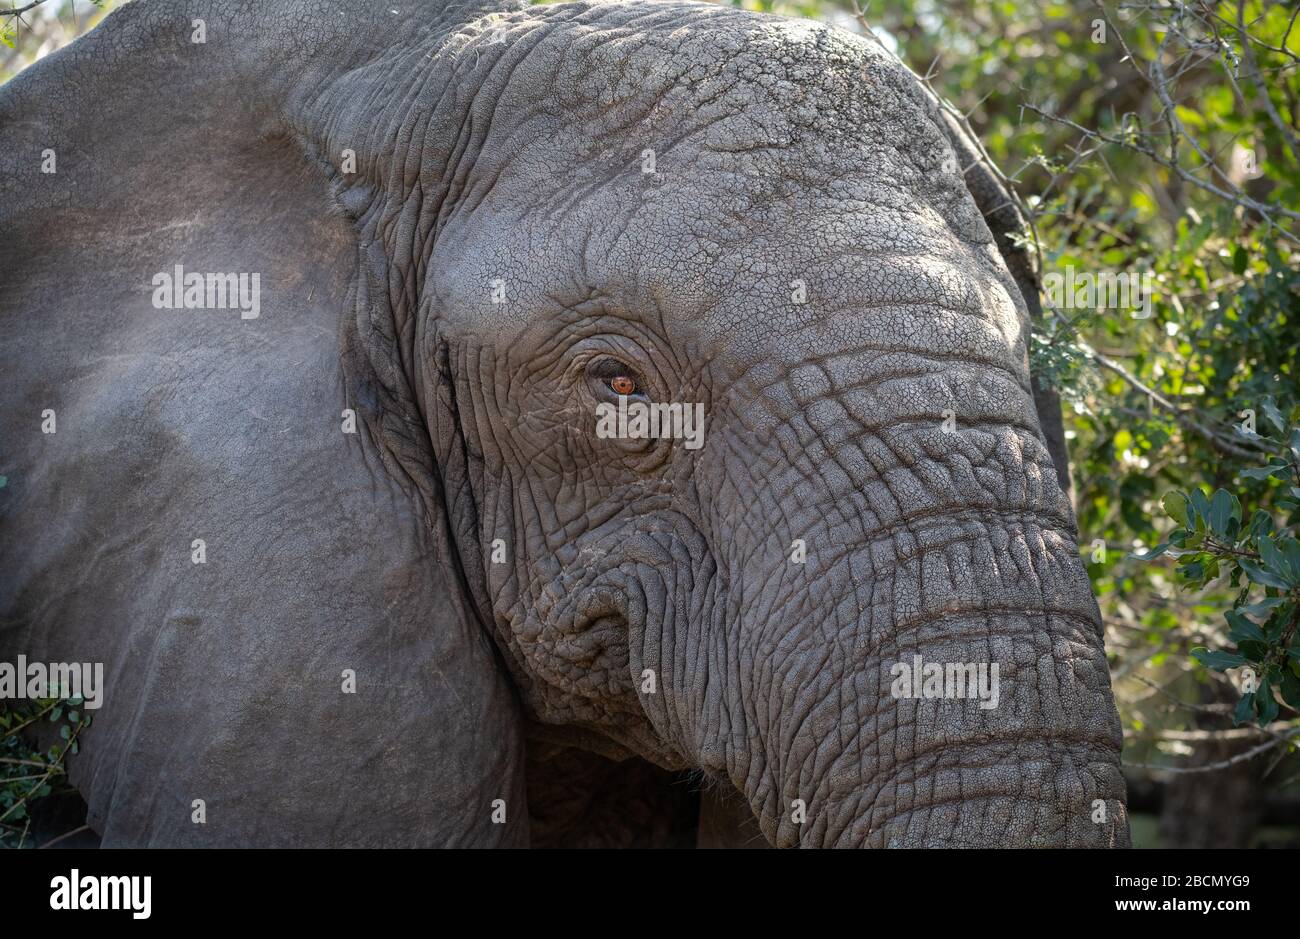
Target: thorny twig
x=1242 y=757
x=1217 y=439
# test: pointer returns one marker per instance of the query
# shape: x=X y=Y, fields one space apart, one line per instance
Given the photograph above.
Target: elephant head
x=477 y=228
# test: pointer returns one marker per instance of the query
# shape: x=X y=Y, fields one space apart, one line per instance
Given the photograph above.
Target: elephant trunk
x=922 y=670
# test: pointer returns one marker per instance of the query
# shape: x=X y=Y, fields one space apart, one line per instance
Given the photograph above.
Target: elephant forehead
x=742 y=173
x=591 y=94
x=675 y=257
x=817 y=273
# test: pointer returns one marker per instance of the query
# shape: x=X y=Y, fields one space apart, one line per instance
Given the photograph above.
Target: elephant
x=312 y=312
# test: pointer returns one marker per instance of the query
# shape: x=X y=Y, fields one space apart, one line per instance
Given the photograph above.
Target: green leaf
x=1275 y=560
x=1175 y=506
x=1290 y=549
x=1261 y=524
x=1219 y=661
x=1253 y=651
x=1152 y=554
x=1264 y=472
x=1261 y=576
x=1245 y=709
x=1266 y=703
x=1243 y=629
x=1220 y=512
x=1263 y=607
x=1239 y=260
x=1273 y=415
x=1289 y=687
x=1200 y=505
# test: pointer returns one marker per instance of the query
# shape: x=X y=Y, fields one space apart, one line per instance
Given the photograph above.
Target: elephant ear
x=289 y=654
x=1007 y=223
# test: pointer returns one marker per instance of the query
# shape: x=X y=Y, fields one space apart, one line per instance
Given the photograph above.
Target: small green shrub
x=27 y=774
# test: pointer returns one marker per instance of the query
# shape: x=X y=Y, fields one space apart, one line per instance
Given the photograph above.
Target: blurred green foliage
x=40 y=29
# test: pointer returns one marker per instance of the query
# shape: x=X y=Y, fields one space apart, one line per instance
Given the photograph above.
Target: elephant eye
x=610 y=376
x=622 y=384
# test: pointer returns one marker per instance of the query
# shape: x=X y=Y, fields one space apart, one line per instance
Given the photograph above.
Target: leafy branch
x=28 y=774
x=1261 y=560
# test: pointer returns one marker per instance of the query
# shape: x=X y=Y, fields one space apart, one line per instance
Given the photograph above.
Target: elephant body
x=360 y=569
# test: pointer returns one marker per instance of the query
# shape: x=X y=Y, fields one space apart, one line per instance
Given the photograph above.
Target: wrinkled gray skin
x=511 y=148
